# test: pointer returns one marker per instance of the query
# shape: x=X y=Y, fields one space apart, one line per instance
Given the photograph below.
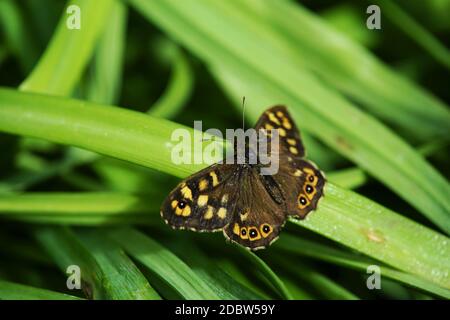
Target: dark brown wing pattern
x=257 y=218
x=202 y=202
x=300 y=181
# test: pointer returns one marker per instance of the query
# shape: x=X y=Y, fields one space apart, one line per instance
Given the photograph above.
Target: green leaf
x=112 y=131
x=298 y=246
x=382 y=234
x=16 y=291
x=105 y=80
x=350 y=178
x=120 y=275
x=17 y=34
x=416 y=32
x=212 y=272
x=65 y=58
x=79 y=208
x=307 y=274
x=180 y=84
x=262 y=267
x=107 y=272
x=164 y=264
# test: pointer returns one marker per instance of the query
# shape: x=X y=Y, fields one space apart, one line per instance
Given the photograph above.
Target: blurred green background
x=86 y=117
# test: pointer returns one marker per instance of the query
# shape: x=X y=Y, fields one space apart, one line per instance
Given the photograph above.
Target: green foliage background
x=86 y=118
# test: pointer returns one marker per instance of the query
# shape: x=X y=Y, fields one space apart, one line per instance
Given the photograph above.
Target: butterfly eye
x=311 y=178
x=309 y=189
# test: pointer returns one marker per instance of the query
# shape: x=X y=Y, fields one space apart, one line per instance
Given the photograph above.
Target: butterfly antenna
x=243 y=113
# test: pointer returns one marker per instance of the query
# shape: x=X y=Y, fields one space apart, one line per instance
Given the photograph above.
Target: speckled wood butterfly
x=249 y=207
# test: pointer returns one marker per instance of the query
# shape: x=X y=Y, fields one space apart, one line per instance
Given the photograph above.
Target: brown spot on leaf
x=374 y=235
x=342 y=142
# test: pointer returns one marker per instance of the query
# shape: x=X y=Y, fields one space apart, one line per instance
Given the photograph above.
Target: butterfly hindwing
x=302 y=186
x=299 y=180
x=201 y=202
x=256 y=219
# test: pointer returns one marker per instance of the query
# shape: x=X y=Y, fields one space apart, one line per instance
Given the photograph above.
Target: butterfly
x=249 y=207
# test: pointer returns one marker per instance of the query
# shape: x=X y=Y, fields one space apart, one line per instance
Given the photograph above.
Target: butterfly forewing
x=278 y=118
x=203 y=200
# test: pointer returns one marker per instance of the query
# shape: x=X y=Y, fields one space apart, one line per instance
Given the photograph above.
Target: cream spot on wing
x=209 y=213
x=174 y=204
x=224 y=199
x=215 y=180
x=222 y=213
x=268 y=126
x=280 y=114
x=298 y=173
x=282 y=132
x=287 y=124
x=292 y=142
x=202 y=200
x=186 y=192
x=203 y=184
x=236 y=229
x=186 y=211
x=244 y=215
x=293 y=150
x=273 y=118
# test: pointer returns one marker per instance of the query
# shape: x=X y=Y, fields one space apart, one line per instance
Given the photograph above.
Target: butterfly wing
x=298 y=180
x=256 y=218
x=278 y=118
x=201 y=202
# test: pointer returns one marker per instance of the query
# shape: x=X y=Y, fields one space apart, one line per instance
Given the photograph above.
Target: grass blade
x=164 y=264
x=79 y=208
x=298 y=246
x=180 y=84
x=105 y=80
x=108 y=130
x=75 y=46
x=16 y=291
x=107 y=272
x=416 y=32
x=323 y=284
x=380 y=233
